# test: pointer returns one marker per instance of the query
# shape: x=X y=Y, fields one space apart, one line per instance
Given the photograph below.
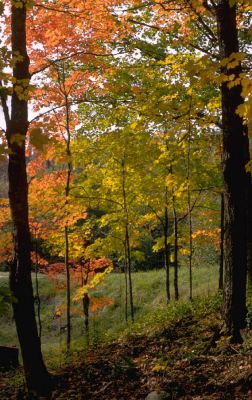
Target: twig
x=103 y=388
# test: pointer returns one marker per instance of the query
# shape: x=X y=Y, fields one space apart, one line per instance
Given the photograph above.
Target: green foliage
x=38 y=139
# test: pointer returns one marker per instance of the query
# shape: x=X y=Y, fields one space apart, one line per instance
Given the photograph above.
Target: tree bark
x=249 y=230
x=38 y=301
x=167 y=248
x=175 y=232
x=234 y=180
x=126 y=280
x=222 y=228
x=86 y=303
x=129 y=272
x=248 y=209
x=127 y=240
x=61 y=81
x=189 y=207
x=86 y=298
x=68 y=289
x=37 y=377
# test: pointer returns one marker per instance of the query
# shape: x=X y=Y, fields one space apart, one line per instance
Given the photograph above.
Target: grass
x=109 y=322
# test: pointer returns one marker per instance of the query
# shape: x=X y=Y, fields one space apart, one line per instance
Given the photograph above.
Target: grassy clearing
x=109 y=322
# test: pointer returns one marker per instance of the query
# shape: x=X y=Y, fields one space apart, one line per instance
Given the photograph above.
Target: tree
x=211 y=27
x=112 y=185
x=235 y=180
x=37 y=377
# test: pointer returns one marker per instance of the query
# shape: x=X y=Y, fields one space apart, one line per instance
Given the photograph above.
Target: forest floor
x=185 y=358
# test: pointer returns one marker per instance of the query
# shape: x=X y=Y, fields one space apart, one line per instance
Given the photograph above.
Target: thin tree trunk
x=37 y=377
x=85 y=300
x=189 y=205
x=234 y=180
x=126 y=281
x=37 y=290
x=175 y=232
x=86 y=303
x=190 y=256
x=222 y=227
x=68 y=289
x=127 y=239
x=67 y=190
x=167 y=248
x=129 y=274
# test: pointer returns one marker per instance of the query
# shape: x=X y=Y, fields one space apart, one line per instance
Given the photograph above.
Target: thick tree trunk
x=222 y=228
x=249 y=230
x=37 y=377
x=248 y=210
x=234 y=180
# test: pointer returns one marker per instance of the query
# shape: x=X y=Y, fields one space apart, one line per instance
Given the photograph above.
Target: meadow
x=108 y=323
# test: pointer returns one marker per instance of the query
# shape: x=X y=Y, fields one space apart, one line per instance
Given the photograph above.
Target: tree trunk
x=38 y=301
x=167 y=249
x=126 y=281
x=249 y=230
x=222 y=227
x=86 y=303
x=248 y=210
x=129 y=274
x=37 y=377
x=175 y=232
x=85 y=299
x=127 y=239
x=67 y=190
x=189 y=208
x=234 y=180
x=68 y=289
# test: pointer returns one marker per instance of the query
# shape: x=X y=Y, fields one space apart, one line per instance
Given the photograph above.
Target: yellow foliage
x=95 y=281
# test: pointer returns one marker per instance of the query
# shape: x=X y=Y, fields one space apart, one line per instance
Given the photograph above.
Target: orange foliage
x=37 y=259
x=98 y=303
x=208 y=235
x=79 y=272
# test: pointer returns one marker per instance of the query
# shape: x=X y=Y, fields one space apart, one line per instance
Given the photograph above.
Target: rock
x=158 y=395
x=8 y=357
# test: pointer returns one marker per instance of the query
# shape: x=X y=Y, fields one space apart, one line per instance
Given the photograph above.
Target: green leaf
x=38 y=139
x=232 y=3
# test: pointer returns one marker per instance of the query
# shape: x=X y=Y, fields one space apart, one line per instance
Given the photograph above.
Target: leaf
x=96 y=280
x=232 y=3
x=38 y=139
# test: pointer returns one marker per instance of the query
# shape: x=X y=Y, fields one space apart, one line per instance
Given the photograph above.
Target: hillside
x=176 y=348
x=183 y=356
x=107 y=322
